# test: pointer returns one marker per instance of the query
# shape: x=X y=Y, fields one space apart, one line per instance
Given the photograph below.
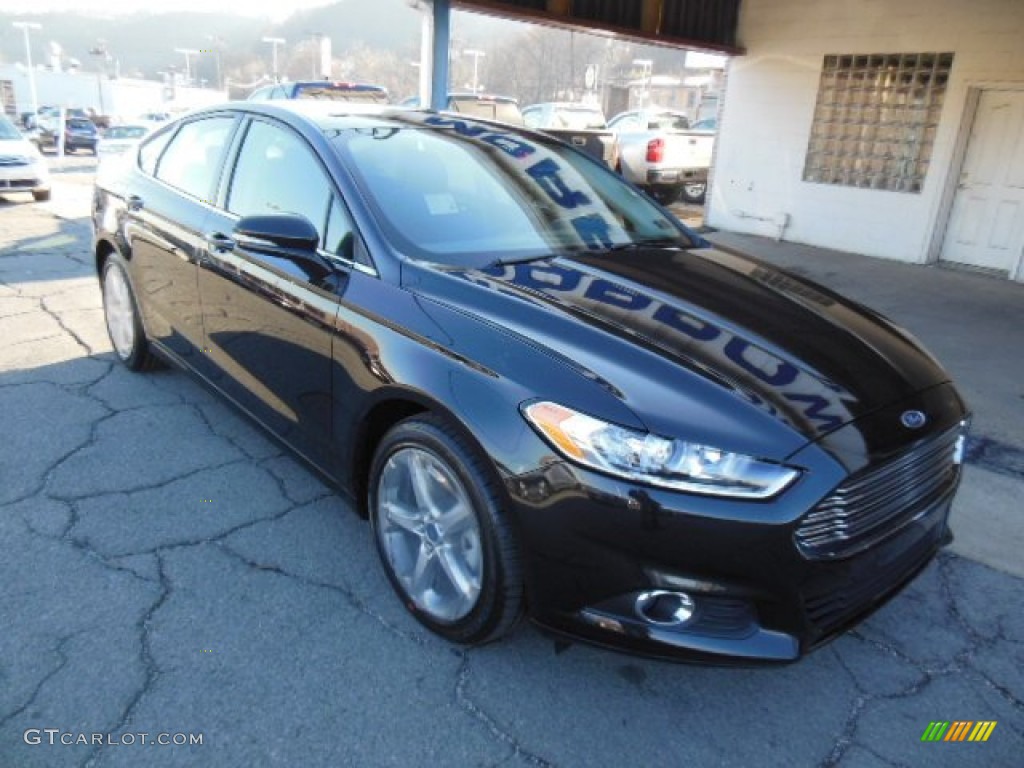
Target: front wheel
x=121 y=312
x=441 y=534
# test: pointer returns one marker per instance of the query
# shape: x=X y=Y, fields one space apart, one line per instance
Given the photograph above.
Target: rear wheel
x=441 y=534
x=665 y=195
x=693 y=193
x=121 y=313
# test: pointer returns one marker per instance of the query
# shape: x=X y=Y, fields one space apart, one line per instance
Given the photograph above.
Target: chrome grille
x=880 y=500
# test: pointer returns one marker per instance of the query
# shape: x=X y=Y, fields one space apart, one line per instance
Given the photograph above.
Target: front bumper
x=596 y=544
x=31 y=177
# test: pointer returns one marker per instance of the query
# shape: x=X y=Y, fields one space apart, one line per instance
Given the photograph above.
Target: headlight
x=658 y=461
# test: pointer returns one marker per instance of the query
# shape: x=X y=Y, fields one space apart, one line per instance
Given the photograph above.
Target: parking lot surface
x=167 y=570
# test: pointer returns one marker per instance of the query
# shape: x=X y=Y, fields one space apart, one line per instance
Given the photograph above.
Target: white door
x=986 y=226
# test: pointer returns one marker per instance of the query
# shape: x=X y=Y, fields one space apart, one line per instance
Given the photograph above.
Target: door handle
x=135 y=203
x=218 y=241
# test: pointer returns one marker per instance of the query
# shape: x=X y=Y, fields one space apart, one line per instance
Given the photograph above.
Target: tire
x=434 y=512
x=693 y=193
x=665 y=195
x=41 y=195
x=121 y=314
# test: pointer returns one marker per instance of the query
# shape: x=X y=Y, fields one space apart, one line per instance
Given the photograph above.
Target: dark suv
x=79 y=133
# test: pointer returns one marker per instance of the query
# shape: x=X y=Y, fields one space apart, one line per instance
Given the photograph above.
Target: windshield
x=579 y=119
x=490 y=109
x=7 y=129
x=469 y=200
x=125 y=132
x=667 y=121
x=350 y=93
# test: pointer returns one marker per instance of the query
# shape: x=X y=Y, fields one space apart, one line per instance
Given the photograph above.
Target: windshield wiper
x=661 y=242
x=521 y=260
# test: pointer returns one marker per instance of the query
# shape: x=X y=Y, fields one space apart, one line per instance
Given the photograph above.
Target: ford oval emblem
x=913 y=419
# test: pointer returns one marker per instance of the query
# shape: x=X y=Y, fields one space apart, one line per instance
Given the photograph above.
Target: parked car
x=119 y=139
x=324 y=90
x=79 y=133
x=22 y=167
x=488 y=106
x=542 y=390
x=582 y=125
x=658 y=151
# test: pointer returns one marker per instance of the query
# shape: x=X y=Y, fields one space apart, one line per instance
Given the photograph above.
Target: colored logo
x=959 y=730
x=913 y=419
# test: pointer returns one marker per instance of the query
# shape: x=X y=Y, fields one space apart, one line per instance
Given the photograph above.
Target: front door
x=986 y=226
x=270 y=318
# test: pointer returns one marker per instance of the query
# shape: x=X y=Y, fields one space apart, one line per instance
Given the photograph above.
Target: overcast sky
x=276 y=9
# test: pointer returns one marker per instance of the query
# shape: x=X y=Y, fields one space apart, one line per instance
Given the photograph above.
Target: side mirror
x=277 y=231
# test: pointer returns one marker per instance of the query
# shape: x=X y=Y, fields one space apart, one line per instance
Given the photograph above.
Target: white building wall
x=123 y=97
x=769 y=106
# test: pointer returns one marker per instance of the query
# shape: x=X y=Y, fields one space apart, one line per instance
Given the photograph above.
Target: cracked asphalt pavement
x=165 y=568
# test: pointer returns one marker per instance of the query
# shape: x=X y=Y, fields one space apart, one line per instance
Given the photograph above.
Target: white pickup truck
x=582 y=125
x=658 y=152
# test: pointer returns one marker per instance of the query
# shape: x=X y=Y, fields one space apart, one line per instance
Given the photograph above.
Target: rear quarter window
x=149 y=152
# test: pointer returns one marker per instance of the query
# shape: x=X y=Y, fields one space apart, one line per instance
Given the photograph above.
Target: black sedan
x=545 y=393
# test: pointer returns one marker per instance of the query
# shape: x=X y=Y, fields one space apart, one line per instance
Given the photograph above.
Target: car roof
x=482 y=97
x=566 y=105
x=326 y=115
x=355 y=86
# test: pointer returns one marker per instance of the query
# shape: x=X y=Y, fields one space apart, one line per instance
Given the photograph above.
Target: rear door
x=269 y=318
x=164 y=224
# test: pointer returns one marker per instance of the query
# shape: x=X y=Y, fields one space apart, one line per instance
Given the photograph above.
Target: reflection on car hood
x=706 y=328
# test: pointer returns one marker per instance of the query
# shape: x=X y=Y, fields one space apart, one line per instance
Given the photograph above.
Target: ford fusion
x=547 y=396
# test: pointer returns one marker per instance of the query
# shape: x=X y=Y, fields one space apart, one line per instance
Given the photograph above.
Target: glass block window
x=876 y=119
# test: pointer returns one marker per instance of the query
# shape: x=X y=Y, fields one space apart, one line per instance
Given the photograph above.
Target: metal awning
x=706 y=25
x=703 y=25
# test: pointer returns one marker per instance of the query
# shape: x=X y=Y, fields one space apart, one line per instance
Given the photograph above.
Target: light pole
x=215 y=50
x=25 y=26
x=648 y=73
x=188 y=69
x=476 y=54
x=274 y=42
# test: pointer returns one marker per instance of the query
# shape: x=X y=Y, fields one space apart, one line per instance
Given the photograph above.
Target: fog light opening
x=665 y=609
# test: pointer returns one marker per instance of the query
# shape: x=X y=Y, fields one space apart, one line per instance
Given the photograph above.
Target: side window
x=277 y=172
x=150 y=151
x=192 y=158
x=338 y=238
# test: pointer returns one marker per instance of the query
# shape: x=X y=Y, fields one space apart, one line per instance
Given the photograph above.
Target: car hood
x=703 y=343
x=18 y=147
